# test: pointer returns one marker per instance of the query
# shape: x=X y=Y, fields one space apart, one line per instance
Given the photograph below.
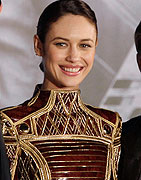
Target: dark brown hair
x=138 y=37
x=60 y=8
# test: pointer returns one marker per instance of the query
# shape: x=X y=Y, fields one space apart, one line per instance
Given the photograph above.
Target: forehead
x=72 y=25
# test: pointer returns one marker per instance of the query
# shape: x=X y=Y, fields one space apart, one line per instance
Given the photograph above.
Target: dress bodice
x=55 y=136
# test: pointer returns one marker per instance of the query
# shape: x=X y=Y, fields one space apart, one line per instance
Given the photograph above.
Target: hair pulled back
x=60 y=8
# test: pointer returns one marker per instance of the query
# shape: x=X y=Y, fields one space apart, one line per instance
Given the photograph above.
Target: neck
x=50 y=86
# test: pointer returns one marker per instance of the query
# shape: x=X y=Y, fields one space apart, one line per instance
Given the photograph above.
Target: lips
x=72 y=70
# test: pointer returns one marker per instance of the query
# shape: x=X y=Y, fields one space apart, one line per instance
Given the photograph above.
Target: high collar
x=47 y=93
x=65 y=98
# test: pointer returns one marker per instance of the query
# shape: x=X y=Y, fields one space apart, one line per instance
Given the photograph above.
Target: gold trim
x=38 y=159
x=33 y=100
x=68 y=137
x=89 y=119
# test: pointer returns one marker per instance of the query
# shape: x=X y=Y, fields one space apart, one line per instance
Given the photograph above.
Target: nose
x=73 y=54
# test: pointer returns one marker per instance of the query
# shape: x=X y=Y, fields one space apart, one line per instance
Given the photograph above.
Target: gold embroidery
x=62 y=140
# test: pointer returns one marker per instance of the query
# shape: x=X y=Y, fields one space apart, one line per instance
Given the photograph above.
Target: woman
x=54 y=135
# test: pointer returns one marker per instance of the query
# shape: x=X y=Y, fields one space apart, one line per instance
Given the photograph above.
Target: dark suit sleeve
x=121 y=163
x=4 y=165
x=130 y=159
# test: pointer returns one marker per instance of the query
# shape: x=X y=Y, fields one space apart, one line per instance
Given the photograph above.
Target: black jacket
x=4 y=166
x=130 y=160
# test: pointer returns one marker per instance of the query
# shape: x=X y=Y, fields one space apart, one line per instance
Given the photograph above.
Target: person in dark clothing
x=4 y=166
x=130 y=159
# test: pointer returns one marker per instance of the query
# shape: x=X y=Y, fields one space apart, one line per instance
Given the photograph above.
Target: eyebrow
x=87 y=40
x=65 y=39
x=58 y=38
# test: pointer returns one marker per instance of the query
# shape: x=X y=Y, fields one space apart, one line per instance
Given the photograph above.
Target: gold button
x=24 y=128
x=107 y=129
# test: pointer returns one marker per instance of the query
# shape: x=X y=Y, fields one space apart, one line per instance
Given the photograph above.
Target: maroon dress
x=55 y=136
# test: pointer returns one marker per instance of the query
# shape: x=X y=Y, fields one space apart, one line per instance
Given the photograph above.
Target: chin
x=70 y=86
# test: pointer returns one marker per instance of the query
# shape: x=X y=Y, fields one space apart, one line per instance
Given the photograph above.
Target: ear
x=38 y=46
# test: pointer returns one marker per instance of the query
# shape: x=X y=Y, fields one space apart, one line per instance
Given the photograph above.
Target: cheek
x=54 y=56
x=90 y=58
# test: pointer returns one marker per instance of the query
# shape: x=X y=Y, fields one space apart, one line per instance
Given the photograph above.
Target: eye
x=85 y=45
x=61 y=44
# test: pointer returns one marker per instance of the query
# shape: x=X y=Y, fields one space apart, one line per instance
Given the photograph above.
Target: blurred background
x=115 y=80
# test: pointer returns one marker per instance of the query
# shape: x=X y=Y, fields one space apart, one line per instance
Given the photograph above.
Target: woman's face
x=68 y=52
